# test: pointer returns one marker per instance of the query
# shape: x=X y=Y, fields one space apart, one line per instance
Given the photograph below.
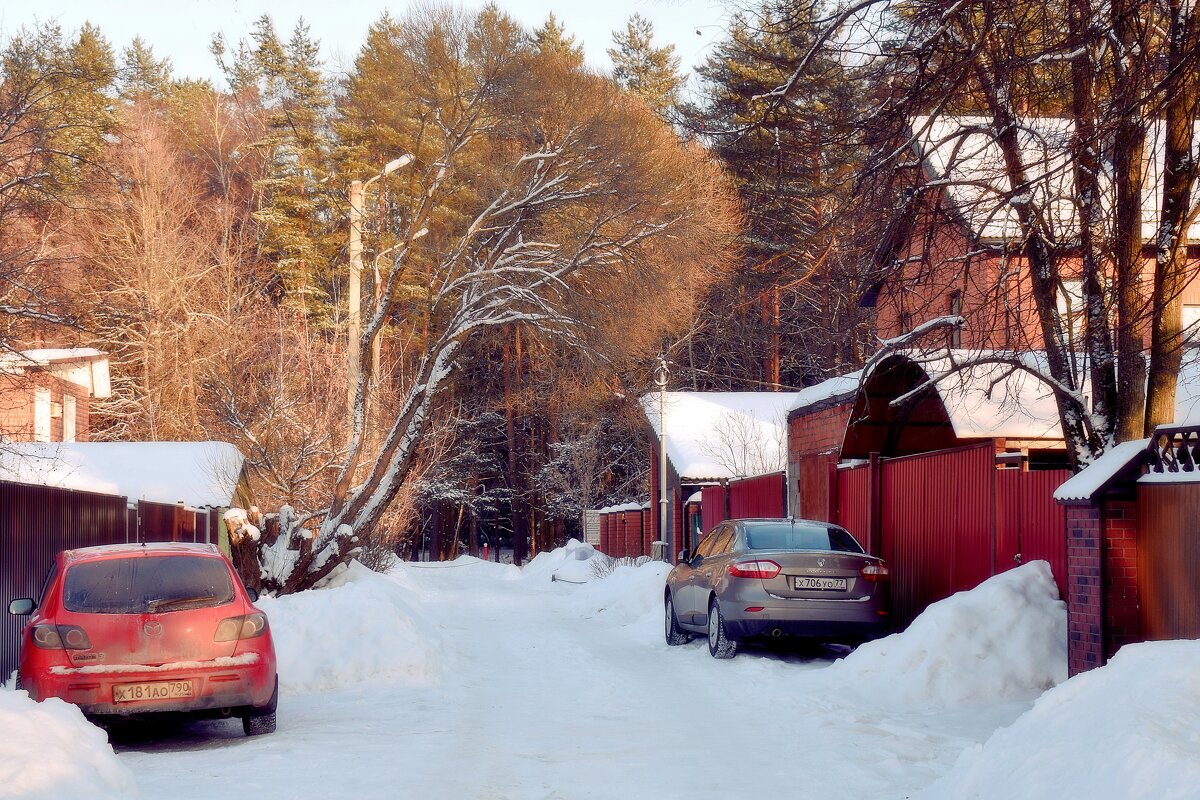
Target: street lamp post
x=354 y=291
x=660 y=379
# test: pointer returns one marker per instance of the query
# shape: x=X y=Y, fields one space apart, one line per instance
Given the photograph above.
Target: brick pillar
x=1121 y=625
x=1085 y=602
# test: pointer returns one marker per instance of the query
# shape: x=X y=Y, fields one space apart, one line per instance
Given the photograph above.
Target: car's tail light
x=875 y=573
x=754 y=569
x=246 y=627
x=61 y=637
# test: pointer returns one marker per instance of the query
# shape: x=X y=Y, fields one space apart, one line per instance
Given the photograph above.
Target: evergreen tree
x=790 y=315
x=142 y=75
x=553 y=40
x=651 y=73
x=299 y=211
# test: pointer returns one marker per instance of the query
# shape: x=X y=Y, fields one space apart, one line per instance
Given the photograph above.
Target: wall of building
x=996 y=297
x=814 y=447
x=17 y=394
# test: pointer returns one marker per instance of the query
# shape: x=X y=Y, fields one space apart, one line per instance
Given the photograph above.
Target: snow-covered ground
x=480 y=680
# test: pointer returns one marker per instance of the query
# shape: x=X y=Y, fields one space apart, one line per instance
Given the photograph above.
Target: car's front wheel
x=719 y=643
x=675 y=634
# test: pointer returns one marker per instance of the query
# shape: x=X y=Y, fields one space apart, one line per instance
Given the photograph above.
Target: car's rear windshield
x=799 y=536
x=144 y=585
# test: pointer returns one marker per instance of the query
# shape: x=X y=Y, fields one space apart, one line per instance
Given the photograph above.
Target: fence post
x=874 y=505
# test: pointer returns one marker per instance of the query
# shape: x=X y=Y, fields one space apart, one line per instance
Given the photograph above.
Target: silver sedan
x=751 y=578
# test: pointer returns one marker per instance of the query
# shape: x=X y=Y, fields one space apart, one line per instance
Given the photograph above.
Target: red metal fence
x=950 y=519
x=760 y=496
x=36 y=522
x=712 y=507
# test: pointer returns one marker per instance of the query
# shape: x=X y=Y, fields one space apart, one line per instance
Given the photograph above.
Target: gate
x=948 y=520
x=1168 y=561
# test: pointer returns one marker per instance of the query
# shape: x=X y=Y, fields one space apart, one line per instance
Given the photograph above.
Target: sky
x=183 y=32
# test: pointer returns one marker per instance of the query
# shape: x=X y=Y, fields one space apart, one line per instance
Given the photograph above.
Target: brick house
x=958 y=251
x=45 y=395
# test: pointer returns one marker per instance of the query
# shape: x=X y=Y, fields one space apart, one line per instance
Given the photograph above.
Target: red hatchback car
x=136 y=629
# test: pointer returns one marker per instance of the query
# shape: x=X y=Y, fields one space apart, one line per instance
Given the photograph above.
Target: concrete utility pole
x=358 y=190
x=661 y=373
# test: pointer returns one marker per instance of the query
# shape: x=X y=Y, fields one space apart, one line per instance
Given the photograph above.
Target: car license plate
x=820 y=584
x=159 y=690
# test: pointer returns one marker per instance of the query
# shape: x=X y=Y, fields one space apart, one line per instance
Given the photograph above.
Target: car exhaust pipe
x=776 y=633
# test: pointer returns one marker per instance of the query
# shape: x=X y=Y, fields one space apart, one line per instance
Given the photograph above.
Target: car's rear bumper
x=220 y=684
x=848 y=632
x=831 y=621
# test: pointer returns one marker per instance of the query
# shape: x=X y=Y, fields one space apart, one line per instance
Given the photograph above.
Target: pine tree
x=788 y=316
x=298 y=212
x=553 y=40
x=142 y=75
x=651 y=73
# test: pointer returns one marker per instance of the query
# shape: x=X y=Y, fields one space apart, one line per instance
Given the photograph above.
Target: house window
x=956 y=308
x=68 y=418
x=1191 y=323
x=41 y=415
x=1070 y=308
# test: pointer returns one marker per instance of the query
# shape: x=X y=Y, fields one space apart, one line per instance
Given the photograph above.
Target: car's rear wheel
x=719 y=643
x=261 y=719
x=675 y=635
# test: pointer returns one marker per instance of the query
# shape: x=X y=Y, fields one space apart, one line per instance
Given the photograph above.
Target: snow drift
x=48 y=749
x=361 y=627
x=1126 y=730
x=1006 y=637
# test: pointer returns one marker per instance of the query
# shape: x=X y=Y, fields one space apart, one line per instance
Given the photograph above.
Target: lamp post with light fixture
x=354 y=290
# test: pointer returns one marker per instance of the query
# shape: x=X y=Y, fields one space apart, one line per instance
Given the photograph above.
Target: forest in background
x=552 y=232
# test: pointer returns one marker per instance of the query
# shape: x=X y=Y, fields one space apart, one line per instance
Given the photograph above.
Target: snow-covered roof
x=1089 y=482
x=829 y=391
x=701 y=426
x=963 y=152
x=198 y=473
x=1000 y=401
x=83 y=366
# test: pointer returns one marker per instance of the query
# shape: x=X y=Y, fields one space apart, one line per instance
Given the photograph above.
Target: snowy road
x=547 y=690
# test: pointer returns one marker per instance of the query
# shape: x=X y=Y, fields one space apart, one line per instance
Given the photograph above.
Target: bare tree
x=567 y=202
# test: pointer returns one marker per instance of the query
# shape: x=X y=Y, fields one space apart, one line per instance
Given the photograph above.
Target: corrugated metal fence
x=760 y=496
x=948 y=520
x=36 y=522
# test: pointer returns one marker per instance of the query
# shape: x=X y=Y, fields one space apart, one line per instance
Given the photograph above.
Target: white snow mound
x=1125 y=730
x=363 y=626
x=627 y=595
x=48 y=749
x=1006 y=638
x=544 y=565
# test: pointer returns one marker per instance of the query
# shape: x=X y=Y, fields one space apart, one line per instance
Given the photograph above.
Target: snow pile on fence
x=48 y=749
x=1125 y=730
x=1006 y=637
x=363 y=626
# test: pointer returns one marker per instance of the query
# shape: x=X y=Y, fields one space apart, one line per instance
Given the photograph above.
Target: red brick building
x=45 y=395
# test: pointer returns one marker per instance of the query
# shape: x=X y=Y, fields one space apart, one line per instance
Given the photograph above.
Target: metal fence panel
x=36 y=522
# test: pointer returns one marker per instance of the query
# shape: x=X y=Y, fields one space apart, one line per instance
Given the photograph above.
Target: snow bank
x=627 y=595
x=544 y=565
x=362 y=626
x=1126 y=730
x=48 y=749
x=1006 y=637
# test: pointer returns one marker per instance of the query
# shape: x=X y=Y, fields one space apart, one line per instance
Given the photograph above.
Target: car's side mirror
x=684 y=556
x=20 y=608
x=253 y=593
